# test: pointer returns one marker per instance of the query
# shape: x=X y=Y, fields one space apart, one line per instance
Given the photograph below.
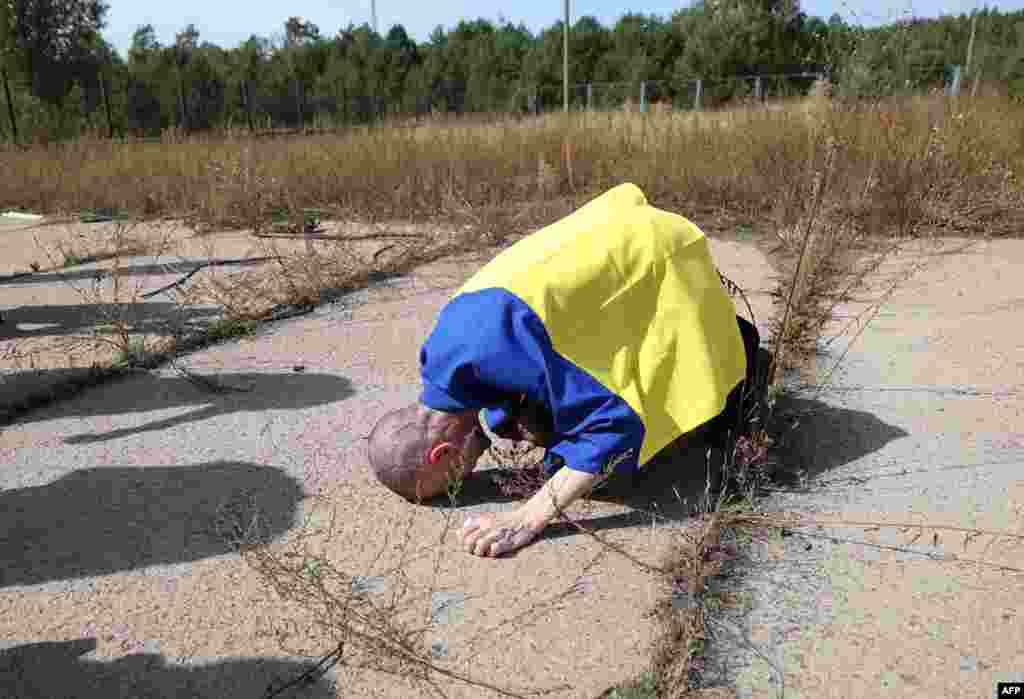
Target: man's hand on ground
x=496 y=533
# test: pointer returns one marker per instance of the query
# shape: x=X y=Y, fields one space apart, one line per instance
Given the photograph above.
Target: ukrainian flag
x=615 y=317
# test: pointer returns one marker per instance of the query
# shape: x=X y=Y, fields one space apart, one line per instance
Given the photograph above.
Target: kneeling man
x=612 y=323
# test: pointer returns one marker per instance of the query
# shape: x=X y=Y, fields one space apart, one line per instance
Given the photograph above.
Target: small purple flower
x=805 y=519
x=720 y=553
x=119 y=632
x=133 y=647
x=697 y=664
x=748 y=453
x=89 y=629
x=583 y=584
x=760 y=534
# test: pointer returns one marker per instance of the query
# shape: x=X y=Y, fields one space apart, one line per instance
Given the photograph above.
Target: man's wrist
x=561 y=490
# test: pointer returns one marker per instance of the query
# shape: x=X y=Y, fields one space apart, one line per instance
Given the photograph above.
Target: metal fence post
x=643 y=96
x=697 y=95
x=953 y=90
x=590 y=96
x=757 y=87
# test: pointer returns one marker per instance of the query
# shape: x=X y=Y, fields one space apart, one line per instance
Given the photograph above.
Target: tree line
x=59 y=73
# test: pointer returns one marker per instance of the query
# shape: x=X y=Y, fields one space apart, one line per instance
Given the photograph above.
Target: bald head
x=415 y=451
x=397 y=446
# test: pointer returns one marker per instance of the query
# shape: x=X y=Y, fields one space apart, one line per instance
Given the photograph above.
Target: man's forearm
x=560 y=491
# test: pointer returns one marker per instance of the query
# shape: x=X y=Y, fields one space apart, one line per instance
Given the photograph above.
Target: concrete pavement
x=923 y=424
x=116 y=583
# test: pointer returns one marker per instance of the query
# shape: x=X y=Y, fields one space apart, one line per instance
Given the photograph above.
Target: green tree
x=305 y=55
x=53 y=44
x=248 y=64
x=148 y=90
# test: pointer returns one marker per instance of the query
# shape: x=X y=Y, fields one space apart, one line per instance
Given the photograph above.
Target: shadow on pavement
x=239 y=392
x=125 y=270
x=816 y=437
x=826 y=437
x=151 y=318
x=57 y=670
x=105 y=520
x=24 y=390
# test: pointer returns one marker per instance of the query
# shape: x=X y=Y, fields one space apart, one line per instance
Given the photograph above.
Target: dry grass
x=752 y=162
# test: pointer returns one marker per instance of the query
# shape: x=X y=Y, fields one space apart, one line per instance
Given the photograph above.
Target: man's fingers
x=503 y=546
x=483 y=543
x=471 y=524
x=473 y=529
x=502 y=541
x=482 y=535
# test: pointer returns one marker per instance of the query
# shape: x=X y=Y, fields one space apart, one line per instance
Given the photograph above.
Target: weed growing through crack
x=230 y=328
x=114 y=338
x=133 y=352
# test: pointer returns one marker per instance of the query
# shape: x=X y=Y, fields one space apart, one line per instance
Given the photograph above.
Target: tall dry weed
x=747 y=160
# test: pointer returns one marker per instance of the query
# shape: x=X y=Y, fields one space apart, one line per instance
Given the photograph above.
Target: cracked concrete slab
x=119 y=496
x=922 y=425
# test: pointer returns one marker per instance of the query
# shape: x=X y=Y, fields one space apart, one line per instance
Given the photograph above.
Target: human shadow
x=225 y=394
x=813 y=437
x=150 y=318
x=97 y=521
x=56 y=669
x=22 y=391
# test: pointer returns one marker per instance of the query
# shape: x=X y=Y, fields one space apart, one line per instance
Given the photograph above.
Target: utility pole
x=977 y=73
x=970 y=43
x=373 y=12
x=565 y=60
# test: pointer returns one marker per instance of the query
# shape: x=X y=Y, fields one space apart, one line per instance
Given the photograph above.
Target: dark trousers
x=748 y=397
x=745 y=400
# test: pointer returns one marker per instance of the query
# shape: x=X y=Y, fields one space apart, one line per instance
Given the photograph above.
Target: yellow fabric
x=630 y=294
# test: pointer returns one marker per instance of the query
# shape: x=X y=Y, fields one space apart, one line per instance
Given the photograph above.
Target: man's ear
x=439 y=451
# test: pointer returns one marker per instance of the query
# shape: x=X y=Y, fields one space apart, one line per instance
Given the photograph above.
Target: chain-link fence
x=122 y=104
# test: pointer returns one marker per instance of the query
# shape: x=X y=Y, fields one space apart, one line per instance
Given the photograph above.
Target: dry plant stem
x=381 y=636
x=537 y=608
x=615 y=548
x=117 y=244
x=204 y=265
x=365 y=628
x=206 y=383
x=343 y=238
x=950 y=557
x=322 y=667
x=789 y=521
x=818 y=197
x=807 y=522
x=749 y=644
x=872 y=312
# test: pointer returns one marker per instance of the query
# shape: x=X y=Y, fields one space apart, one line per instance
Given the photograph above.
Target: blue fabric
x=489 y=347
x=497 y=417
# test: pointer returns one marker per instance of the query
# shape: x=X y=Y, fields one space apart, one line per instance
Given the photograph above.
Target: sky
x=228 y=23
